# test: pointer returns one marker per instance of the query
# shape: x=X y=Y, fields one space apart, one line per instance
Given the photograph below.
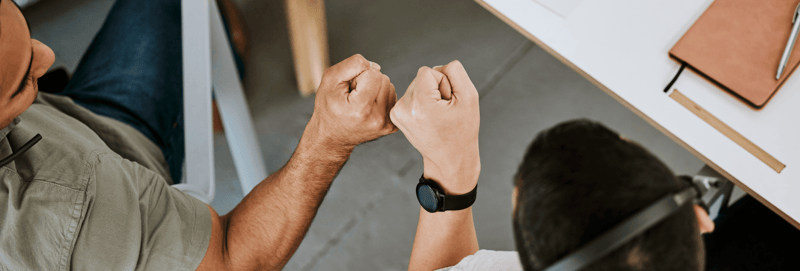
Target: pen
x=790 y=43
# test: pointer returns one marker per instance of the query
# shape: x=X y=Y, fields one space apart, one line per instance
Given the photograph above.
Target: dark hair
x=579 y=179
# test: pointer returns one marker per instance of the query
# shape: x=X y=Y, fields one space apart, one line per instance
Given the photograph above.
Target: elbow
x=216 y=257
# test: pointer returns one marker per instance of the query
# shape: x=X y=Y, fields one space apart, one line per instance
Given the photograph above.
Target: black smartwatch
x=432 y=198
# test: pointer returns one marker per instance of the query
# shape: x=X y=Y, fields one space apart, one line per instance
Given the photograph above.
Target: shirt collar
x=4 y=132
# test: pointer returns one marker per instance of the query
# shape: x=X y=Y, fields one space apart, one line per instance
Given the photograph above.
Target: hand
x=352 y=105
x=439 y=115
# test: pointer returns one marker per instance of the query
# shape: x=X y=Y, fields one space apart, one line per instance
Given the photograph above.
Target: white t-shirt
x=488 y=260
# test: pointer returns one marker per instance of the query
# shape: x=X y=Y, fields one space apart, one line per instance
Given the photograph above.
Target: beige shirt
x=93 y=194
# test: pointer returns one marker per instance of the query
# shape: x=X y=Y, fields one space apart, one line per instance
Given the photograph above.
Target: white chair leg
x=236 y=120
x=196 y=44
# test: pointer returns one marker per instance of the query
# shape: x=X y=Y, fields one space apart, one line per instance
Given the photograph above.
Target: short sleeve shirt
x=93 y=194
x=488 y=260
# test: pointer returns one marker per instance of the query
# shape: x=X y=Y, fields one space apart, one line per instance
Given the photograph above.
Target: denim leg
x=132 y=72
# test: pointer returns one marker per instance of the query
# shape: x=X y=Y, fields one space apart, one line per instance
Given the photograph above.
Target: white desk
x=621 y=46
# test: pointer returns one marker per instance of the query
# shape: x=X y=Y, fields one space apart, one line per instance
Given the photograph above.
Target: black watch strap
x=460 y=202
x=454 y=202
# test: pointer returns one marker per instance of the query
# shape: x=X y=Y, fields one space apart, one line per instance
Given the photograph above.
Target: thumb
x=459 y=80
x=427 y=85
x=366 y=86
x=348 y=69
x=444 y=86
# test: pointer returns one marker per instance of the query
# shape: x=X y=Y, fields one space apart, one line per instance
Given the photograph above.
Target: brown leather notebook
x=738 y=44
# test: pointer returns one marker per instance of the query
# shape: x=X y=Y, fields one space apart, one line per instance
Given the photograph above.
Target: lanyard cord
x=21 y=150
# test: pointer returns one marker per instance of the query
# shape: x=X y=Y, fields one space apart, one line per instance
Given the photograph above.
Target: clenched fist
x=439 y=115
x=352 y=105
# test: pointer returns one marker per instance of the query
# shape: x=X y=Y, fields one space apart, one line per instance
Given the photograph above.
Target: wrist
x=455 y=180
x=318 y=143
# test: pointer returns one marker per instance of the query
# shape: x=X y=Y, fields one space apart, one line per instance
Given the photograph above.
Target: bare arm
x=266 y=228
x=443 y=239
x=439 y=115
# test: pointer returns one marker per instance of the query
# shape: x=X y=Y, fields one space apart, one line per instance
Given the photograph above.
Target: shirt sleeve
x=488 y=260
x=138 y=222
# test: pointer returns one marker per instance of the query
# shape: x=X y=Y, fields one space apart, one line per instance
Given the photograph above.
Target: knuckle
x=376 y=123
x=470 y=99
x=337 y=110
x=397 y=115
x=363 y=115
x=473 y=93
x=328 y=75
x=370 y=76
x=453 y=67
x=456 y=65
x=423 y=69
x=359 y=59
x=325 y=74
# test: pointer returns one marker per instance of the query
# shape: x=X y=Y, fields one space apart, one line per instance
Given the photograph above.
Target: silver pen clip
x=796 y=11
x=790 y=43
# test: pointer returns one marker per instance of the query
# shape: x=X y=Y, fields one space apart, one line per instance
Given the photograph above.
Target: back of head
x=578 y=180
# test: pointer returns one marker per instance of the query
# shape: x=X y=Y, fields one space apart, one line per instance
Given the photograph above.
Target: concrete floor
x=368 y=218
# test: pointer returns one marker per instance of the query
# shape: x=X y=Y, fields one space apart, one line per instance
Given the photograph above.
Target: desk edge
x=637 y=112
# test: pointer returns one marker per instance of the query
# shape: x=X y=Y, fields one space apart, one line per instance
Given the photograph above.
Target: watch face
x=427 y=198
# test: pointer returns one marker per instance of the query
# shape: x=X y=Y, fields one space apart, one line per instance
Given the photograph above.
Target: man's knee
x=151 y=7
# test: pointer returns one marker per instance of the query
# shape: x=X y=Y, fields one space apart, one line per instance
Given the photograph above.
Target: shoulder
x=488 y=260
x=155 y=226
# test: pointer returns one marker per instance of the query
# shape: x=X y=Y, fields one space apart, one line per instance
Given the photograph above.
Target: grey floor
x=368 y=219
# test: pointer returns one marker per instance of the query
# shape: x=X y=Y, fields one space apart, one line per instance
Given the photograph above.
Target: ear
x=703 y=221
x=43 y=58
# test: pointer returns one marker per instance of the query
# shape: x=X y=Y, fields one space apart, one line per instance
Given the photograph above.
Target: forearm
x=440 y=116
x=265 y=229
x=443 y=239
x=351 y=107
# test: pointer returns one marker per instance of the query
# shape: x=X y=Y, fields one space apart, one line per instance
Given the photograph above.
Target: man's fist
x=439 y=115
x=352 y=105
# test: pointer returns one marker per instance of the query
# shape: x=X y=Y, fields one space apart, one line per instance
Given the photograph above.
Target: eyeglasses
x=21 y=150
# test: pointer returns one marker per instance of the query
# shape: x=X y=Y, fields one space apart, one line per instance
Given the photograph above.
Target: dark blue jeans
x=133 y=72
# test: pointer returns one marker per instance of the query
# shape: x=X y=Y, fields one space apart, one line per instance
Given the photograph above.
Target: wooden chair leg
x=308 y=35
